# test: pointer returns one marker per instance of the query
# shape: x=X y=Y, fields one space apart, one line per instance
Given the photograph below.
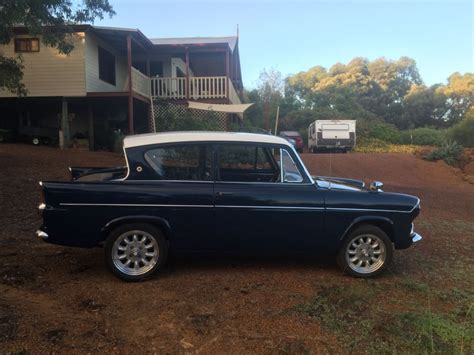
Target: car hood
x=340 y=183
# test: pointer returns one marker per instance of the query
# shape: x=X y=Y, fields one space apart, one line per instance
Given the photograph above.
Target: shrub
x=186 y=121
x=424 y=136
x=450 y=152
x=384 y=132
x=463 y=132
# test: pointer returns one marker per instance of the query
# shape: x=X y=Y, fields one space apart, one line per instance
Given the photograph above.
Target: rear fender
x=159 y=222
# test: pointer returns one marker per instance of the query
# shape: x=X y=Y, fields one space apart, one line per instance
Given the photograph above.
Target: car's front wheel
x=134 y=252
x=365 y=252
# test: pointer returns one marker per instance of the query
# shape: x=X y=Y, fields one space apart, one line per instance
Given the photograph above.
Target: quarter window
x=290 y=170
x=185 y=162
x=25 y=45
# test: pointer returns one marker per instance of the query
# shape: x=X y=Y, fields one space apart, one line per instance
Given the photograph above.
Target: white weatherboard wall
x=49 y=73
x=93 y=83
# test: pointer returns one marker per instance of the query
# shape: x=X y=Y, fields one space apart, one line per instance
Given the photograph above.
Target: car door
x=265 y=202
x=183 y=193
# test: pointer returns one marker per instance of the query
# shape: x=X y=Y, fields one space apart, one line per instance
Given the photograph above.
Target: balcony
x=200 y=87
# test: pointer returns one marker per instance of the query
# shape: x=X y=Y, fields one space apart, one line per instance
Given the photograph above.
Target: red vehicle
x=299 y=145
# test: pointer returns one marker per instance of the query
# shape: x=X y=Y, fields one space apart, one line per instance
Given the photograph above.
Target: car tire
x=134 y=252
x=35 y=141
x=365 y=252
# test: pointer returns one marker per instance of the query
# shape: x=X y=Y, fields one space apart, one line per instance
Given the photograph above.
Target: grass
x=358 y=317
x=428 y=309
x=379 y=146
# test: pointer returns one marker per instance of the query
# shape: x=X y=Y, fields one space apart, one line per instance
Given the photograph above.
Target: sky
x=295 y=35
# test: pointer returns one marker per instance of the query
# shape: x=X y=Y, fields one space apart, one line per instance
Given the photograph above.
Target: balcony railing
x=200 y=87
x=140 y=83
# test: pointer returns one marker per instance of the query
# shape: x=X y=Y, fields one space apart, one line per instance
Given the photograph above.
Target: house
x=116 y=79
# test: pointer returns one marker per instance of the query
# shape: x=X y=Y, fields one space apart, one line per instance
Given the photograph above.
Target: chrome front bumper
x=42 y=235
x=415 y=237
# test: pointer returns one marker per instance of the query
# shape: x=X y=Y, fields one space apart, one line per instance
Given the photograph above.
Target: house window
x=25 y=45
x=106 y=66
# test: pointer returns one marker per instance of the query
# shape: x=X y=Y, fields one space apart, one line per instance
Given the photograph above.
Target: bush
x=424 y=136
x=186 y=121
x=449 y=152
x=383 y=131
x=463 y=132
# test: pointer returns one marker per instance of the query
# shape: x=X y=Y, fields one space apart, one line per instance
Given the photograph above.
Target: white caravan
x=331 y=135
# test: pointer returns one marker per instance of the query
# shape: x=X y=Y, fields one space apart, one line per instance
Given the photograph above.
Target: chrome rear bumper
x=42 y=235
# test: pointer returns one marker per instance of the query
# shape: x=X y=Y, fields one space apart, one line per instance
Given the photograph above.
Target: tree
x=270 y=88
x=53 y=20
x=459 y=94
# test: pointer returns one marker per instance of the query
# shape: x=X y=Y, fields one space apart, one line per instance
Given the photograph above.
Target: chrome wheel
x=365 y=253
x=135 y=252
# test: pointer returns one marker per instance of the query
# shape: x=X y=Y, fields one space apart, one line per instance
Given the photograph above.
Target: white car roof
x=202 y=136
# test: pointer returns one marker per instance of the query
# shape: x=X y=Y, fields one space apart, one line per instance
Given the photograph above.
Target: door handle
x=220 y=193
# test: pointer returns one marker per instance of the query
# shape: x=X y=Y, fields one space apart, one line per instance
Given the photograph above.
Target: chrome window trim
x=173 y=181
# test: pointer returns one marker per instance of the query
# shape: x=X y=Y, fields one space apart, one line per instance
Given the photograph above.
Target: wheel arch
x=384 y=223
x=158 y=222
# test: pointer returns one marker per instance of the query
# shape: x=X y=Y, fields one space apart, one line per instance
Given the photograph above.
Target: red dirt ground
x=56 y=299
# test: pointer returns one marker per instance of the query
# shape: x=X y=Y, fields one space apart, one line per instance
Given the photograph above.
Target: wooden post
x=64 y=132
x=227 y=72
x=130 y=86
x=148 y=66
x=91 y=127
x=187 y=73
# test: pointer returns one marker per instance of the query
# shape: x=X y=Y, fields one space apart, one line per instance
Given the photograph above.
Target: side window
x=183 y=162
x=290 y=170
x=247 y=163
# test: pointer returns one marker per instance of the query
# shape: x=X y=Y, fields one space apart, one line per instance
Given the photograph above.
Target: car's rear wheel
x=134 y=252
x=365 y=252
x=35 y=141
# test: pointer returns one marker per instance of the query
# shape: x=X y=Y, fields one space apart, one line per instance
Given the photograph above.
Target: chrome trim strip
x=273 y=207
x=229 y=206
x=132 y=205
x=366 y=209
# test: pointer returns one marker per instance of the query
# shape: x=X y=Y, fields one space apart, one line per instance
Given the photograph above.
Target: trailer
x=332 y=135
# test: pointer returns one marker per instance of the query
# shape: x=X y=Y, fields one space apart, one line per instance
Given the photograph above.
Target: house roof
x=180 y=137
x=231 y=41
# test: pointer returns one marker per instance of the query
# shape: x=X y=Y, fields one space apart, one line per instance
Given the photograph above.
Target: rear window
x=336 y=127
x=183 y=162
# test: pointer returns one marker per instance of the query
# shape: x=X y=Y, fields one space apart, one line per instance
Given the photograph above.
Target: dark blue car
x=226 y=193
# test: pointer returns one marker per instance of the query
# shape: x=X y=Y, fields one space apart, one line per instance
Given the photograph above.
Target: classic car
x=226 y=193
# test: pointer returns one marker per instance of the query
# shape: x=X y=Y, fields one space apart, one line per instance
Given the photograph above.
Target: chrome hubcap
x=365 y=253
x=135 y=252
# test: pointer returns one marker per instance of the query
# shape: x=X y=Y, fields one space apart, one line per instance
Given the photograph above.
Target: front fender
x=384 y=223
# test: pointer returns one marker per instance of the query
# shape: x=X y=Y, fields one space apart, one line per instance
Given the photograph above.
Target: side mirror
x=376 y=186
